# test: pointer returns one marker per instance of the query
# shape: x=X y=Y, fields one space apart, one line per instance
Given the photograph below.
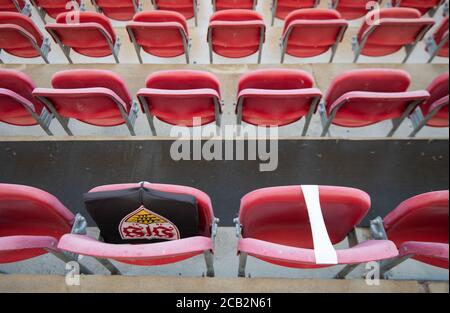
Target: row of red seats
x=124 y=10
x=231 y=33
x=273 y=226
x=272 y=97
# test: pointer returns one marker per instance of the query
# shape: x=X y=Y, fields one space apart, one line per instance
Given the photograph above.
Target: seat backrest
x=185 y=7
x=121 y=10
x=438 y=89
x=421 y=5
x=134 y=213
x=8 y=5
x=14 y=40
x=55 y=7
x=396 y=26
x=241 y=35
x=353 y=9
x=21 y=84
x=284 y=7
x=234 y=4
x=280 y=215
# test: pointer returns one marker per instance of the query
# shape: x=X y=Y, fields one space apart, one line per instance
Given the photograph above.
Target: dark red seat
x=419 y=228
x=424 y=6
x=20 y=37
x=353 y=9
x=434 y=111
x=437 y=43
x=151 y=254
x=236 y=34
x=87 y=33
x=53 y=8
x=19 y=6
x=311 y=32
x=282 y=8
x=161 y=33
x=219 y=5
x=189 y=8
x=276 y=227
x=17 y=106
x=276 y=97
x=96 y=97
x=387 y=31
x=365 y=97
x=182 y=97
x=120 y=10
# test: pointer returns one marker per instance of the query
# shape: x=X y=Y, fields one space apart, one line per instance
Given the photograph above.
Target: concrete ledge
x=125 y=284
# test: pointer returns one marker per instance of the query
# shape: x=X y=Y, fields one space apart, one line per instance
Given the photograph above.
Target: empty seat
x=148 y=224
x=161 y=33
x=219 y=5
x=31 y=223
x=120 y=10
x=365 y=97
x=53 y=8
x=311 y=32
x=424 y=6
x=279 y=225
x=387 y=31
x=282 y=8
x=277 y=97
x=353 y=9
x=419 y=228
x=87 y=33
x=181 y=97
x=437 y=43
x=15 y=6
x=95 y=97
x=434 y=111
x=189 y=8
x=17 y=106
x=20 y=37
x=236 y=34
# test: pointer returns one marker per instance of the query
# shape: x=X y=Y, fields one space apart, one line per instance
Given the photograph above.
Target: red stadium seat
x=434 y=111
x=31 y=223
x=149 y=254
x=88 y=33
x=120 y=10
x=189 y=8
x=95 y=97
x=387 y=31
x=365 y=97
x=219 y=5
x=53 y=8
x=311 y=32
x=19 y=6
x=236 y=34
x=17 y=106
x=419 y=228
x=180 y=97
x=277 y=97
x=282 y=8
x=160 y=33
x=424 y=6
x=353 y=9
x=437 y=43
x=20 y=37
x=276 y=227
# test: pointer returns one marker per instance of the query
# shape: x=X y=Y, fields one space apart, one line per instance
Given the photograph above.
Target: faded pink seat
x=219 y=5
x=87 y=33
x=352 y=9
x=276 y=228
x=161 y=33
x=179 y=97
x=423 y=6
x=276 y=97
x=282 y=8
x=19 y=36
x=387 y=31
x=359 y=98
x=419 y=227
x=312 y=32
x=120 y=10
x=153 y=253
x=96 y=97
x=188 y=8
x=17 y=105
x=53 y=8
